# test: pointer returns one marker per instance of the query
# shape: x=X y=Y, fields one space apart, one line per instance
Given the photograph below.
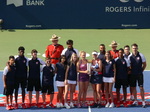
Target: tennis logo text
x=18 y=3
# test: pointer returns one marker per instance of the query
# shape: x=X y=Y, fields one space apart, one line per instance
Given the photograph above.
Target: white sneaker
x=143 y=104
x=131 y=97
x=67 y=106
x=111 y=105
x=61 y=105
x=58 y=105
x=135 y=103
x=107 y=105
x=71 y=105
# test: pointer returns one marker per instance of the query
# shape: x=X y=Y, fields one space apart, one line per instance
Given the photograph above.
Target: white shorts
x=60 y=83
x=72 y=82
x=108 y=79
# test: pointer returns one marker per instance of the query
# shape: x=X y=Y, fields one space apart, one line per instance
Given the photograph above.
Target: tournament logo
x=37 y=63
x=17 y=3
x=123 y=62
x=24 y=61
x=138 y=58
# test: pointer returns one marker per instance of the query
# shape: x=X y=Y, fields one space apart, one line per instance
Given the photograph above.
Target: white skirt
x=108 y=79
x=72 y=82
x=60 y=83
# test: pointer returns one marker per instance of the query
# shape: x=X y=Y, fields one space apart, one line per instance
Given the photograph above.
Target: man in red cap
x=54 y=50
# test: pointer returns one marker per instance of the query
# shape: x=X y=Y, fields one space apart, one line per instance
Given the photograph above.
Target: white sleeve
x=53 y=66
x=41 y=61
x=129 y=58
x=5 y=70
x=143 y=57
x=128 y=63
x=64 y=51
x=41 y=68
x=116 y=59
x=27 y=61
x=77 y=52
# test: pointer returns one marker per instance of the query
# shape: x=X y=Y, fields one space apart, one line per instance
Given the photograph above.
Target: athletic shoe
x=16 y=106
x=118 y=104
x=84 y=105
x=132 y=97
x=78 y=105
x=107 y=105
x=58 y=105
x=125 y=104
x=143 y=105
x=111 y=105
x=94 y=105
x=44 y=105
x=12 y=107
x=51 y=105
x=61 y=105
x=29 y=105
x=67 y=106
x=23 y=106
x=38 y=105
x=8 y=107
x=71 y=105
x=135 y=103
x=99 y=105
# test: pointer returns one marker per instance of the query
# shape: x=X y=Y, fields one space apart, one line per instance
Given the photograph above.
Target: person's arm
x=47 y=52
x=144 y=65
x=100 y=66
x=114 y=66
x=4 y=80
x=4 y=75
x=66 y=75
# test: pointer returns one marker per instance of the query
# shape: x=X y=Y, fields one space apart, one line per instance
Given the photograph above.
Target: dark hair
x=34 y=51
x=121 y=50
x=62 y=56
x=109 y=54
x=21 y=48
x=134 y=45
x=11 y=57
x=127 y=46
x=69 y=42
x=102 y=45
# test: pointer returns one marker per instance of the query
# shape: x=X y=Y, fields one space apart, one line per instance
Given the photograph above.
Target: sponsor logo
x=125 y=1
x=19 y=3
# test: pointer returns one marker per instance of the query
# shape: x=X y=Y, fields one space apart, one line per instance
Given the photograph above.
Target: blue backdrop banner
x=75 y=14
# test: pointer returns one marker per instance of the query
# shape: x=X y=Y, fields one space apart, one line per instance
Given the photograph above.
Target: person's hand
x=114 y=80
x=87 y=72
x=4 y=85
x=66 y=82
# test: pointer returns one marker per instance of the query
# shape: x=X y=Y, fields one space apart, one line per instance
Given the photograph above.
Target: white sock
x=143 y=102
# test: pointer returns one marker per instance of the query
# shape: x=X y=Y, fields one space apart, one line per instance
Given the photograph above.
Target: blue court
x=122 y=109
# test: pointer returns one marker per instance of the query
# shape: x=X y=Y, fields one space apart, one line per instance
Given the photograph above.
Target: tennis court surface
x=89 y=109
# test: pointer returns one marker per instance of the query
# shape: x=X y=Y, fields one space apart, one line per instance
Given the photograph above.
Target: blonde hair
x=71 y=59
x=81 y=53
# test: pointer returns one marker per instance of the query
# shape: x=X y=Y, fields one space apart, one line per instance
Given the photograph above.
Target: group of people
x=119 y=67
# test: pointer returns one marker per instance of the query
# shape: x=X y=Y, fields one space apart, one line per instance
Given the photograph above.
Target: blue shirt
x=122 y=65
x=10 y=75
x=21 y=63
x=61 y=69
x=108 y=68
x=34 y=69
x=136 y=63
x=48 y=75
x=72 y=73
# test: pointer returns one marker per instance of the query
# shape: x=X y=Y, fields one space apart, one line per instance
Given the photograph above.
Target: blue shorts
x=96 y=79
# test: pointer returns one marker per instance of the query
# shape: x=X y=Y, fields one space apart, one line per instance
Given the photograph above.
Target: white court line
x=89 y=108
